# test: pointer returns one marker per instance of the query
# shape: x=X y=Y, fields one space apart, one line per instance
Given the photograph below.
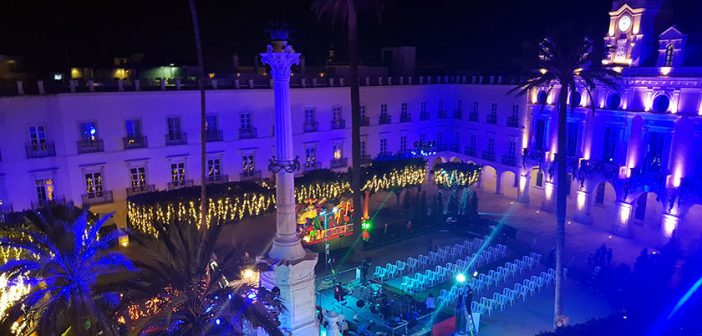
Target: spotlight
x=475 y=274
x=218 y=321
x=610 y=237
x=460 y=278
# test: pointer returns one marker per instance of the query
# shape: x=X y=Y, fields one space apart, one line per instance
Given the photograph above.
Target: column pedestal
x=523 y=194
x=549 y=203
x=296 y=283
x=583 y=207
x=669 y=224
x=622 y=220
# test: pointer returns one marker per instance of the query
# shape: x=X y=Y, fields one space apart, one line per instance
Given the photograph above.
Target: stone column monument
x=293 y=266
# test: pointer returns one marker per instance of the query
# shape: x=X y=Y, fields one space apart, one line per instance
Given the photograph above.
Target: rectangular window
x=491 y=145
x=403 y=108
x=211 y=123
x=493 y=109
x=422 y=139
x=174 y=130
x=439 y=139
x=512 y=149
x=133 y=128
x=611 y=137
x=178 y=173
x=336 y=113
x=403 y=143
x=457 y=139
x=310 y=156
x=515 y=111
x=364 y=151
x=383 y=146
x=247 y=165
x=45 y=189
x=475 y=107
x=363 y=111
x=473 y=141
x=93 y=185
x=137 y=178
x=572 y=139
x=383 y=109
x=459 y=105
x=540 y=134
x=654 y=151
x=88 y=131
x=214 y=168
x=423 y=107
x=245 y=120
x=337 y=151
x=309 y=115
x=37 y=137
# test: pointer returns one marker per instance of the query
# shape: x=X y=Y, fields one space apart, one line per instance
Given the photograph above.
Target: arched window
x=661 y=104
x=614 y=101
x=542 y=97
x=669 y=55
x=575 y=98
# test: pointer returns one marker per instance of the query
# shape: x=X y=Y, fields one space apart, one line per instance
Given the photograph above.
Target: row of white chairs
x=423 y=262
x=521 y=290
x=493 y=277
x=431 y=278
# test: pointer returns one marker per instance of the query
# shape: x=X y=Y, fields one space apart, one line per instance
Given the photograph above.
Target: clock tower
x=631 y=31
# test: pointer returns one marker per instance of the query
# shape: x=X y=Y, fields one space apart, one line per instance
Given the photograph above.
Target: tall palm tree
x=181 y=269
x=203 y=116
x=566 y=61
x=72 y=271
x=345 y=13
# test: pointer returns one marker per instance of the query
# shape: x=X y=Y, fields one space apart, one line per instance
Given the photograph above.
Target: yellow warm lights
x=665 y=71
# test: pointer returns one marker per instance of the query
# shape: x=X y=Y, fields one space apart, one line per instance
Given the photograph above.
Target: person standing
x=431 y=305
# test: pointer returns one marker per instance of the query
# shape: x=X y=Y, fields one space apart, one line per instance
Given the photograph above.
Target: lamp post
x=293 y=266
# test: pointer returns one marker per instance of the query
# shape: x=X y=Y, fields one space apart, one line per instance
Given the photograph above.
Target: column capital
x=280 y=61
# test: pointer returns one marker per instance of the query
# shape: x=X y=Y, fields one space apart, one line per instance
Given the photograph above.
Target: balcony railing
x=534 y=155
x=216 y=179
x=40 y=150
x=424 y=116
x=98 y=197
x=607 y=170
x=365 y=121
x=310 y=126
x=338 y=124
x=405 y=117
x=250 y=175
x=473 y=116
x=140 y=189
x=513 y=122
x=384 y=119
x=135 y=142
x=339 y=163
x=509 y=160
x=458 y=114
x=489 y=156
x=180 y=184
x=247 y=133
x=213 y=135
x=174 y=139
x=491 y=119
x=441 y=114
x=45 y=203
x=312 y=166
x=90 y=146
x=470 y=151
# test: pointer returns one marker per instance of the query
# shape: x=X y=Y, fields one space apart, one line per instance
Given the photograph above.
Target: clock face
x=624 y=23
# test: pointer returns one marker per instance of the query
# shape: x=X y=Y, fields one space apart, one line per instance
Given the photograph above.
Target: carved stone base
x=295 y=279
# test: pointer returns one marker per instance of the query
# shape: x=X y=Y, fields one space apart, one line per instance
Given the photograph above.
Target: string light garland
x=235 y=201
x=449 y=175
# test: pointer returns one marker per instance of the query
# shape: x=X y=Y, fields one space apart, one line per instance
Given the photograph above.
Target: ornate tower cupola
x=630 y=34
x=671 y=48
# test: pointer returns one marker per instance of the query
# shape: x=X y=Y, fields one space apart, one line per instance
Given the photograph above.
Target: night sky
x=467 y=34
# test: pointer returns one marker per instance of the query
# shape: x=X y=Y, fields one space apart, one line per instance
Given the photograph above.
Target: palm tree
x=345 y=12
x=72 y=271
x=566 y=60
x=180 y=270
x=203 y=116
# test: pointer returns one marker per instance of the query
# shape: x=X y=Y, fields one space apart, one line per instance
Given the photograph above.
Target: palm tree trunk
x=203 y=146
x=355 y=126
x=561 y=193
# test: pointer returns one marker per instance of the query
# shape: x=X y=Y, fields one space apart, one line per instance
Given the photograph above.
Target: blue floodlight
x=460 y=278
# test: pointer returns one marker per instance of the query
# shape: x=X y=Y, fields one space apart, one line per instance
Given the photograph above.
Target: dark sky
x=485 y=34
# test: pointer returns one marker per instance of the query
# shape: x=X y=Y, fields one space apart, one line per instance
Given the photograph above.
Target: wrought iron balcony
x=365 y=121
x=140 y=189
x=97 y=197
x=457 y=114
x=213 y=135
x=250 y=175
x=608 y=170
x=135 y=142
x=90 y=146
x=534 y=155
x=384 y=119
x=338 y=124
x=339 y=163
x=247 y=133
x=470 y=151
x=489 y=156
x=405 y=117
x=513 y=122
x=40 y=149
x=424 y=116
x=310 y=126
x=216 y=179
x=174 y=139
x=509 y=160
x=180 y=184
x=312 y=165
x=45 y=203
x=473 y=116
x=491 y=119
